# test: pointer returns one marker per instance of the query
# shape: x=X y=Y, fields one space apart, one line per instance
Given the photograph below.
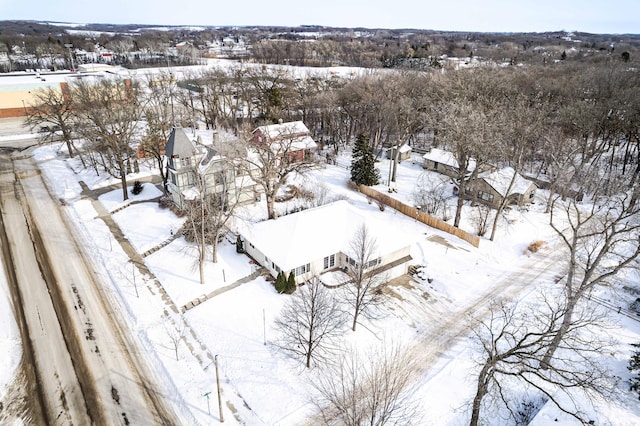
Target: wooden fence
x=423 y=217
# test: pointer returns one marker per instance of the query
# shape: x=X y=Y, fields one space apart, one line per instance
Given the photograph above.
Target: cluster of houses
x=314 y=242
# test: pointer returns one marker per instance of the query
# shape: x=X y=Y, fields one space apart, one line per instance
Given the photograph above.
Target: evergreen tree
x=137 y=188
x=281 y=282
x=363 y=168
x=634 y=368
x=239 y=244
x=291 y=284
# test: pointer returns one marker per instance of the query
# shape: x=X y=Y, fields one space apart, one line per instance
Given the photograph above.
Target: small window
x=531 y=194
x=330 y=261
x=485 y=196
x=302 y=269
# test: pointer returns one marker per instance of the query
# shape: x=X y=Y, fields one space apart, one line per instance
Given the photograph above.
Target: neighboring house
x=404 y=153
x=317 y=242
x=444 y=162
x=292 y=138
x=491 y=188
x=192 y=166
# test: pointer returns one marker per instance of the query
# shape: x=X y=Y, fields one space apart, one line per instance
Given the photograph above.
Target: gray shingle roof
x=179 y=144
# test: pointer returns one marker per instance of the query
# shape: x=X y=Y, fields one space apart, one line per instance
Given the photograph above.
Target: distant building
x=404 y=153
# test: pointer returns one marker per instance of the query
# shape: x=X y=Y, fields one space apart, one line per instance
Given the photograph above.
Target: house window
x=275 y=267
x=373 y=263
x=185 y=162
x=191 y=179
x=302 y=269
x=467 y=191
x=330 y=261
x=173 y=178
x=351 y=262
x=485 y=196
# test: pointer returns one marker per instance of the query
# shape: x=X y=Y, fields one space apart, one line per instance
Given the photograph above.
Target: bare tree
x=468 y=137
x=108 y=113
x=196 y=229
x=431 y=194
x=370 y=388
x=309 y=323
x=480 y=218
x=362 y=262
x=601 y=239
x=273 y=161
x=512 y=343
x=174 y=334
x=521 y=129
x=159 y=113
x=53 y=108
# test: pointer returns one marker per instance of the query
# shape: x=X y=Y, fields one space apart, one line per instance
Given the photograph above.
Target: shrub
x=535 y=246
x=137 y=188
x=165 y=202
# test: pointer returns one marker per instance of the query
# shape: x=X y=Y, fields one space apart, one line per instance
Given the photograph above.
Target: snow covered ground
x=260 y=384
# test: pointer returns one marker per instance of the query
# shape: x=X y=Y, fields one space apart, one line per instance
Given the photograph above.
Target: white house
x=317 y=242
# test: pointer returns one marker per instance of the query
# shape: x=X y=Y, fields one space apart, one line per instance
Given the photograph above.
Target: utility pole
x=215 y=359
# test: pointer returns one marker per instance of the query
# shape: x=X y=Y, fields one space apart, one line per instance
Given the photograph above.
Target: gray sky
x=610 y=16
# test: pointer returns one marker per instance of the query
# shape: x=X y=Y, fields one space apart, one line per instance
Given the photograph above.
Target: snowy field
x=261 y=386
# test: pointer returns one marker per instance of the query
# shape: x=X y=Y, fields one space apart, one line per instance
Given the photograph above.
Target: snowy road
x=512 y=286
x=84 y=362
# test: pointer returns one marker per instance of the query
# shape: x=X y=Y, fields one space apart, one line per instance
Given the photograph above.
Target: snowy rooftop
x=447 y=158
x=501 y=179
x=301 y=139
x=300 y=238
x=404 y=148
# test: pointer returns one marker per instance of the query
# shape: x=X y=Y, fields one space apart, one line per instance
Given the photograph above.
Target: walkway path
x=195 y=346
x=195 y=302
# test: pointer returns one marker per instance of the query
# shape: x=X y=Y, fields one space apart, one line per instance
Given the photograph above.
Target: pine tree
x=363 y=169
x=291 y=284
x=634 y=368
x=281 y=282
